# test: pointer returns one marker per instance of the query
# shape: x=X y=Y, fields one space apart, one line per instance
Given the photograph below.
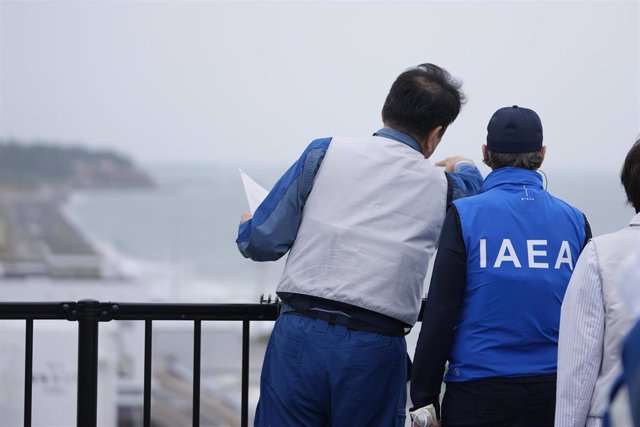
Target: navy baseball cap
x=514 y=130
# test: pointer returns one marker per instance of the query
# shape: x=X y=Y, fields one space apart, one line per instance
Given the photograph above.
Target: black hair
x=421 y=99
x=630 y=175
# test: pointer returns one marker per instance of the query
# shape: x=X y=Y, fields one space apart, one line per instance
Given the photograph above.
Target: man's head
x=422 y=102
x=514 y=139
x=630 y=175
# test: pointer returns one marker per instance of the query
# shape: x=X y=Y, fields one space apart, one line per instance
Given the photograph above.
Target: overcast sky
x=254 y=82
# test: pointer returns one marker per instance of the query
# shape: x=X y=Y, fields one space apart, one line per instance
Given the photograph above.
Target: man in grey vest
x=360 y=218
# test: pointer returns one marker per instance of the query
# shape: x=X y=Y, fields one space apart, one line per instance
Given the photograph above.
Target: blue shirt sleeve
x=274 y=226
x=465 y=181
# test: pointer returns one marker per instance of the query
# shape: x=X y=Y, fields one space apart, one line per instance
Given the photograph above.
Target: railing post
x=28 y=372
x=87 y=363
x=148 y=349
x=244 y=409
x=197 y=344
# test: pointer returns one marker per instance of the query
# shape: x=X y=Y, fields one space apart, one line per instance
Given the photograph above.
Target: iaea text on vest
x=537 y=256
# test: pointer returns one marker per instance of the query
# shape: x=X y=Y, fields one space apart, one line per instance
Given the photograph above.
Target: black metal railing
x=89 y=313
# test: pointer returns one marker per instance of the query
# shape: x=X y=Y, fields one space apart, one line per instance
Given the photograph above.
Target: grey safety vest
x=369 y=227
x=611 y=249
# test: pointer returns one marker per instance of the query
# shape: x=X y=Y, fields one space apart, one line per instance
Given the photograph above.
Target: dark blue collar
x=396 y=135
x=512 y=176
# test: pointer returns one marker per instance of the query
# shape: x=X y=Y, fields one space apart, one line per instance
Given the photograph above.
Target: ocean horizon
x=183 y=232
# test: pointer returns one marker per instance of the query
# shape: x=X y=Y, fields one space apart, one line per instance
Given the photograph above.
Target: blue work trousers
x=317 y=374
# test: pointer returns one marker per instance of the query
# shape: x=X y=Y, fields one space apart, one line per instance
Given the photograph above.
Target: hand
x=420 y=424
x=449 y=163
x=424 y=417
x=245 y=217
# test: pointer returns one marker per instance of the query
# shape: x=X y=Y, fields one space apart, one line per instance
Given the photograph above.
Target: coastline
x=37 y=240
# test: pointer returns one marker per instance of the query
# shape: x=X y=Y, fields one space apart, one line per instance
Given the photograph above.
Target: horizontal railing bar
x=107 y=311
x=32 y=310
x=134 y=311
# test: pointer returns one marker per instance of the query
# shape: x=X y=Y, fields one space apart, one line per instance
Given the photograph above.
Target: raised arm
x=269 y=234
x=463 y=177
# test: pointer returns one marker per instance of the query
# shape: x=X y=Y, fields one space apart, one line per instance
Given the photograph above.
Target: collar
x=396 y=135
x=635 y=221
x=512 y=176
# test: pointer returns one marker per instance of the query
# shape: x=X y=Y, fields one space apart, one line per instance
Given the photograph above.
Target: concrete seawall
x=37 y=240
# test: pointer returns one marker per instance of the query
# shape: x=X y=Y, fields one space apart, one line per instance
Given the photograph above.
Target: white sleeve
x=580 y=344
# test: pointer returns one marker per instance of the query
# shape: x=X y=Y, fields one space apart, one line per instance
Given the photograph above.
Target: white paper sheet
x=254 y=191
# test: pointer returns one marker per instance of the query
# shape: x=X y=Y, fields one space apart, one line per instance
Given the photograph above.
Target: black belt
x=345 y=315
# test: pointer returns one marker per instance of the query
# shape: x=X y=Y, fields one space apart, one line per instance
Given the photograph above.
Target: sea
x=182 y=233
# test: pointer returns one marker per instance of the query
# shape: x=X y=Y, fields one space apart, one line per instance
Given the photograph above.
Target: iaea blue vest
x=521 y=244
